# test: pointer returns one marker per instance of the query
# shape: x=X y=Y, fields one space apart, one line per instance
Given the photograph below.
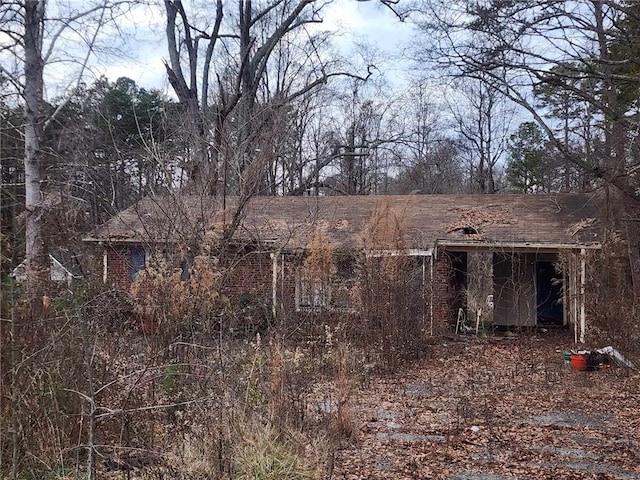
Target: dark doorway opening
x=549 y=294
x=457 y=284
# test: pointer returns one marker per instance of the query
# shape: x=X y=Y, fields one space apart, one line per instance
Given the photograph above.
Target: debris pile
x=596 y=359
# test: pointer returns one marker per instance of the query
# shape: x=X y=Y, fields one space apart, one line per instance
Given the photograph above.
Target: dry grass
x=266 y=453
x=268 y=409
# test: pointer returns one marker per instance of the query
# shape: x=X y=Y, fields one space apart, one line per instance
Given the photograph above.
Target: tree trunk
x=615 y=131
x=37 y=264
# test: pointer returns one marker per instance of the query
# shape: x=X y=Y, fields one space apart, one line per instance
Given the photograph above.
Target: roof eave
x=484 y=244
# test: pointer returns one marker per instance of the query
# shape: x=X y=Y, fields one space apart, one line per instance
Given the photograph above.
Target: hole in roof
x=468 y=230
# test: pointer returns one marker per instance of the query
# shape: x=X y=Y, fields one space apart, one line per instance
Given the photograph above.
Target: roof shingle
x=288 y=222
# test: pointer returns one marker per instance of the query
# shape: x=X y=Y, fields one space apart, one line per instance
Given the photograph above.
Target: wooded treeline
x=511 y=96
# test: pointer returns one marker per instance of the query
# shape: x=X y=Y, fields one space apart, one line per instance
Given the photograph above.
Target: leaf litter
x=495 y=409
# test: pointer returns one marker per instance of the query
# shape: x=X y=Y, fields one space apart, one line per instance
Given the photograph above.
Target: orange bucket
x=579 y=361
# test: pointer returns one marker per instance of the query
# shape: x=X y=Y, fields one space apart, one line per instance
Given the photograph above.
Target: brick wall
x=117 y=266
x=288 y=266
x=248 y=273
x=440 y=290
x=251 y=274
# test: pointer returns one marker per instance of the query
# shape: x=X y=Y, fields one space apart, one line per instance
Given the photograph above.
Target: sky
x=143 y=54
x=365 y=22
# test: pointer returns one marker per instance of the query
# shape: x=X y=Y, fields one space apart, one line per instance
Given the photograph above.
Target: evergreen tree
x=528 y=167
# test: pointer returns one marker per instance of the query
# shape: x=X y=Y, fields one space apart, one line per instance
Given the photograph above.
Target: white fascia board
x=518 y=245
x=411 y=252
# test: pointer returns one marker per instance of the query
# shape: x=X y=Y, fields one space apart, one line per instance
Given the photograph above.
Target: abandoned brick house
x=513 y=260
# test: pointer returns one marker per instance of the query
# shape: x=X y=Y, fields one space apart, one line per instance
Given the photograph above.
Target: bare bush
x=392 y=299
x=171 y=299
x=609 y=297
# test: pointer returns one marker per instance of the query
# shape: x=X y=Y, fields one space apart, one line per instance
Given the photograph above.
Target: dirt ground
x=494 y=409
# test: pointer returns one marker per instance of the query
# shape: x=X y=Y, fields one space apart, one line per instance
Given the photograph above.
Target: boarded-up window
x=312 y=292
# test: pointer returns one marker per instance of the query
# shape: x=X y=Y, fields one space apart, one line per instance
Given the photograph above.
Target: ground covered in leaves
x=494 y=409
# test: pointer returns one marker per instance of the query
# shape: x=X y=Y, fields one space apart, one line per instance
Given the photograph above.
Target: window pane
x=136 y=262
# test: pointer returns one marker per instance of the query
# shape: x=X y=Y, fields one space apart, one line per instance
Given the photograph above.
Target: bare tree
x=483 y=119
x=236 y=47
x=313 y=144
x=32 y=40
x=513 y=47
x=363 y=132
x=37 y=258
x=429 y=160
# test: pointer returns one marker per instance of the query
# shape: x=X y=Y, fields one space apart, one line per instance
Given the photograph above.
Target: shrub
x=173 y=304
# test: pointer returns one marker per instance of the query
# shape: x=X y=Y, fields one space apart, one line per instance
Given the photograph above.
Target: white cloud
x=368 y=20
x=375 y=27
x=143 y=52
x=355 y=23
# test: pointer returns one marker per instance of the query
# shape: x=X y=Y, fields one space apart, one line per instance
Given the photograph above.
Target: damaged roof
x=379 y=222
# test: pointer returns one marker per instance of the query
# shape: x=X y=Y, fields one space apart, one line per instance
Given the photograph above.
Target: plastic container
x=579 y=361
